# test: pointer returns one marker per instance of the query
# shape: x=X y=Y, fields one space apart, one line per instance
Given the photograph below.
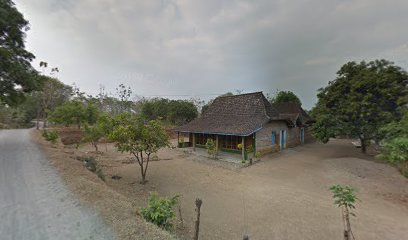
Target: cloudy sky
x=202 y=48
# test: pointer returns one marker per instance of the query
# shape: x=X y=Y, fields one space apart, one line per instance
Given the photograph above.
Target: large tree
x=17 y=76
x=75 y=112
x=285 y=96
x=363 y=98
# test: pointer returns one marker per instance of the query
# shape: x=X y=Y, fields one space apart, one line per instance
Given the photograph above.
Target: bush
x=257 y=155
x=395 y=151
x=100 y=174
x=211 y=148
x=50 y=136
x=91 y=164
x=160 y=210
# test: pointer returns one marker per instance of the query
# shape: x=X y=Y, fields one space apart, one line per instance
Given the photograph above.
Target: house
x=250 y=121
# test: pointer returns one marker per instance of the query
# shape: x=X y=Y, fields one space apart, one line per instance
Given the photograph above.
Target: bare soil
x=284 y=196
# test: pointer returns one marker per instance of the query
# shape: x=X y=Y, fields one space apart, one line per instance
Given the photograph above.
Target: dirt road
x=34 y=203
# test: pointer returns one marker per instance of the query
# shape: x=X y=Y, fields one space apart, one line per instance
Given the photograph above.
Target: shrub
x=91 y=164
x=257 y=155
x=160 y=210
x=100 y=174
x=211 y=148
x=50 y=136
x=395 y=151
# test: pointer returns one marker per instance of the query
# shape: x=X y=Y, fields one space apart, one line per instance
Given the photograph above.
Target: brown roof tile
x=241 y=114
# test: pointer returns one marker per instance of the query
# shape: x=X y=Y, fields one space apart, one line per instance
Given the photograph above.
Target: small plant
x=243 y=161
x=211 y=148
x=160 y=210
x=90 y=163
x=50 y=136
x=249 y=149
x=100 y=174
x=345 y=198
x=257 y=155
x=239 y=146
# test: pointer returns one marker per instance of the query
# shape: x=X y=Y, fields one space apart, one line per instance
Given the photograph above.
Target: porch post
x=178 y=139
x=243 y=147
x=194 y=141
x=216 y=143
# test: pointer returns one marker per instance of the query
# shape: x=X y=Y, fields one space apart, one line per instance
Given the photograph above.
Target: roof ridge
x=242 y=94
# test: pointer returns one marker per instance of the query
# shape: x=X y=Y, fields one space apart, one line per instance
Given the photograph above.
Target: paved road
x=34 y=203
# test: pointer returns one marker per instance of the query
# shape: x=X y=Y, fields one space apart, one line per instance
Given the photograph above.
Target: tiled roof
x=239 y=115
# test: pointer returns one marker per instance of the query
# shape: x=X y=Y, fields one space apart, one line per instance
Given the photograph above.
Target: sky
x=186 y=48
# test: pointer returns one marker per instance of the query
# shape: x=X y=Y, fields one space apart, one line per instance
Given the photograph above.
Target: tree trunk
x=347 y=234
x=363 y=145
x=198 y=203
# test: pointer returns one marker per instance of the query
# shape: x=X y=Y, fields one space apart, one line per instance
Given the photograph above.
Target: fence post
x=198 y=203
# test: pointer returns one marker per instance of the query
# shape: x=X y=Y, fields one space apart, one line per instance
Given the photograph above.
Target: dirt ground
x=284 y=196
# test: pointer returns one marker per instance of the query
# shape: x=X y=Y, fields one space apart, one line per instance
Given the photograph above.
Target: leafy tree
x=181 y=111
x=172 y=111
x=133 y=135
x=17 y=76
x=285 y=96
x=345 y=198
x=74 y=112
x=363 y=98
x=93 y=134
x=160 y=210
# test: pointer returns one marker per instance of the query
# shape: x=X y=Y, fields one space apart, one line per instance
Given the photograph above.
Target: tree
x=75 y=112
x=17 y=76
x=345 y=198
x=93 y=134
x=285 y=96
x=173 y=111
x=133 y=135
x=363 y=98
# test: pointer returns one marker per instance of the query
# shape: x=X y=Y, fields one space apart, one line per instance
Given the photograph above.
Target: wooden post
x=243 y=148
x=194 y=141
x=198 y=203
x=216 y=144
x=178 y=139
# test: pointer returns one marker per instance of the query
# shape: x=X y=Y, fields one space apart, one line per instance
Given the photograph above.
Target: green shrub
x=160 y=210
x=211 y=148
x=91 y=164
x=100 y=174
x=50 y=136
x=257 y=155
x=395 y=151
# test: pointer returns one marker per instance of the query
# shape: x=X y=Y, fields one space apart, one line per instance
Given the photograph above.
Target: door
x=273 y=137
x=282 y=139
x=302 y=135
